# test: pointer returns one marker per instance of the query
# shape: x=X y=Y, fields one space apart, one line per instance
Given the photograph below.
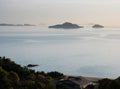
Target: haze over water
x=105 y=12
x=85 y=51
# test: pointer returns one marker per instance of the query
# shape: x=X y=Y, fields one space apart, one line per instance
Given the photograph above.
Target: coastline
x=91 y=78
x=83 y=81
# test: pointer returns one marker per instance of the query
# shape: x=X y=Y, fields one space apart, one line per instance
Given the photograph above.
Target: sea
x=81 y=52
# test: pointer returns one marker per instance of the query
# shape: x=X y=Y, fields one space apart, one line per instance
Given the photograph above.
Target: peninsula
x=5 y=24
x=66 y=25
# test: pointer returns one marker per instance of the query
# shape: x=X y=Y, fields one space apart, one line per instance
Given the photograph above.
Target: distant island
x=5 y=24
x=97 y=26
x=32 y=65
x=66 y=25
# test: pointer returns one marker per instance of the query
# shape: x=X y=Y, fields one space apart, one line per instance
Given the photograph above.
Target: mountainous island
x=66 y=25
x=97 y=26
x=6 y=24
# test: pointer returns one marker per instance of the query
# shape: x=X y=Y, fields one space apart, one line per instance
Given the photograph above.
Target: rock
x=32 y=65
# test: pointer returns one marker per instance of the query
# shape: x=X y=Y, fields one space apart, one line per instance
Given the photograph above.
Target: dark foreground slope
x=14 y=76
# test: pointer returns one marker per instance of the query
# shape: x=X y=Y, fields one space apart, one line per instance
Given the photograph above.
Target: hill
x=66 y=25
x=97 y=26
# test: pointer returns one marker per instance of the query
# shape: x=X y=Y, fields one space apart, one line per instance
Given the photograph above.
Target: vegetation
x=55 y=75
x=109 y=84
x=13 y=76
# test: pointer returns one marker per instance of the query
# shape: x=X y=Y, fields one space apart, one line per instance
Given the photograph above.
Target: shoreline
x=87 y=77
x=82 y=81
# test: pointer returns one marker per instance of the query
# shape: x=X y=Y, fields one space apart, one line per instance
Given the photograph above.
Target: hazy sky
x=106 y=12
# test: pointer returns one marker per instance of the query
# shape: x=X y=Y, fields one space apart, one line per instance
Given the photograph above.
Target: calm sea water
x=85 y=51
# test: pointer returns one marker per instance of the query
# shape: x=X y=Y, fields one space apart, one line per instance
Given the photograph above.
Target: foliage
x=14 y=76
x=109 y=84
x=4 y=81
x=55 y=74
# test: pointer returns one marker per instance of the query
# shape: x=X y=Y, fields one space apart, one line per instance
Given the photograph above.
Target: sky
x=105 y=12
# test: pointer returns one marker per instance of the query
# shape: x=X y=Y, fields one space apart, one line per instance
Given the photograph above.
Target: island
x=97 y=26
x=66 y=25
x=6 y=24
x=32 y=65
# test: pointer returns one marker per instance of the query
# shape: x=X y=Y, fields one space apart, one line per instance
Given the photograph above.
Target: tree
x=13 y=76
x=49 y=83
x=4 y=81
x=55 y=75
x=104 y=83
